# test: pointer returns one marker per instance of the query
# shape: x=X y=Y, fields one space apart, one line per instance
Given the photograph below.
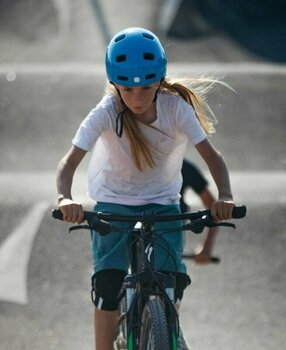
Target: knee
x=106 y=285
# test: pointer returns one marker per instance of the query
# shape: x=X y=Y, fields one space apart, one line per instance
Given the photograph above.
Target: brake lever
x=198 y=225
x=227 y=224
x=102 y=227
x=79 y=227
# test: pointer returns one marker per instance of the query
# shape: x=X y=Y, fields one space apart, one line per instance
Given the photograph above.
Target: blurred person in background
x=194 y=179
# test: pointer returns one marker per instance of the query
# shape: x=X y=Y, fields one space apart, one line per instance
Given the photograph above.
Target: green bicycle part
x=130 y=342
x=174 y=341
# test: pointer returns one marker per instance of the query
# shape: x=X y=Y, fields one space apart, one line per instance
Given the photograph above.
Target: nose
x=137 y=93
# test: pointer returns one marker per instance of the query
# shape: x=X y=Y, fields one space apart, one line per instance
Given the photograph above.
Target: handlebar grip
x=57 y=214
x=239 y=212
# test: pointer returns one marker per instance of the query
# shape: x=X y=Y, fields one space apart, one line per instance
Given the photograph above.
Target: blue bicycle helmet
x=135 y=57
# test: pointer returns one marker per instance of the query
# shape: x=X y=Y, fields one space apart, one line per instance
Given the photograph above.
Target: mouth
x=138 y=110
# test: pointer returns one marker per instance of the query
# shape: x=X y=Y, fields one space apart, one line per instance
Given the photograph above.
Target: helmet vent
x=148 y=56
x=122 y=78
x=148 y=36
x=120 y=37
x=150 y=76
x=120 y=58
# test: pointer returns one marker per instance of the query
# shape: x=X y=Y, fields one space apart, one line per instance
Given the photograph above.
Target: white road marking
x=168 y=13
x=15 y=253
x=63 y=9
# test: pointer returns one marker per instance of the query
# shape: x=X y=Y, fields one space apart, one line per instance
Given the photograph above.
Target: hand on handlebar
x=222 y=210
x=72 y=211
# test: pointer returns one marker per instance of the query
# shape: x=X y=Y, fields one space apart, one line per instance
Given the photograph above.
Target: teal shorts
x=112 y=251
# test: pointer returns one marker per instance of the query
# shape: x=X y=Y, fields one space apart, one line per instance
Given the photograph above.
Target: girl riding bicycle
x=139 y=131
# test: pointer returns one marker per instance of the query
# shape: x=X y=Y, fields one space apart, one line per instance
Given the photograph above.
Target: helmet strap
x=156 y=94
x=119 y=123
x=157 y=91
x=119 y=118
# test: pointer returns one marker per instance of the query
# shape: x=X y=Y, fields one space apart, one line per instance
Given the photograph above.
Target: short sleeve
x=96 y=122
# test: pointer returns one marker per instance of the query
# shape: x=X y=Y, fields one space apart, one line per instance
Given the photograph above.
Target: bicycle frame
x=144 y=283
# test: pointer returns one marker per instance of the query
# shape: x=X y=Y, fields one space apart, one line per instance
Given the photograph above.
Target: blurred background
x=52 y=75
x=52 y=70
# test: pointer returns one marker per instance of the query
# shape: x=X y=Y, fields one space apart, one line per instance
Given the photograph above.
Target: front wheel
x=154 y=332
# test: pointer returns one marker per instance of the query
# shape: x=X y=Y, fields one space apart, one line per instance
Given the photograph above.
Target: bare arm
x=207 y=198
x=222 y=208
x=72 y=211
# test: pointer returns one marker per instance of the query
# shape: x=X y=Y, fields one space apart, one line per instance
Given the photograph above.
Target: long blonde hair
x=193 y=91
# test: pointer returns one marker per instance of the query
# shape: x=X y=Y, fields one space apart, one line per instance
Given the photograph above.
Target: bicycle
x=147 y=315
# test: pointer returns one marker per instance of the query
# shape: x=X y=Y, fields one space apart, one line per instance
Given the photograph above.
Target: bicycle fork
x=145 y=283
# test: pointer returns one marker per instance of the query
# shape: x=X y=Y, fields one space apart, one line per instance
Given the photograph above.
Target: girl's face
x=139 y=99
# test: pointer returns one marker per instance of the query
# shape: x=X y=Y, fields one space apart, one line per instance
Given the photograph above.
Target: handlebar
x=237 y=213
x=199 y=219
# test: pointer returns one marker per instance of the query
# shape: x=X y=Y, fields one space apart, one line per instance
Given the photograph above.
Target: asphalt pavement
x=51 y=75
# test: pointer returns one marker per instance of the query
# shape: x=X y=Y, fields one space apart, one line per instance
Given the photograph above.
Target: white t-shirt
x=113 y=178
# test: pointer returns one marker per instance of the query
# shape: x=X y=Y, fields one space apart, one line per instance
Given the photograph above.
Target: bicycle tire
x=154 y=333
